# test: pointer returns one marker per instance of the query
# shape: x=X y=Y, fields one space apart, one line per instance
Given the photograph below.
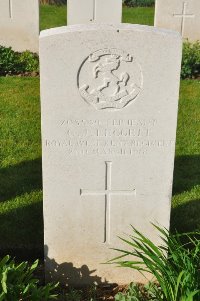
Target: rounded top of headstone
x=102 y=27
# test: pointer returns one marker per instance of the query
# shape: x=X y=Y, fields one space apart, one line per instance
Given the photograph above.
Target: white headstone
x=179 y=15
x=88 y=11
x=109 y=96
x=19 y=24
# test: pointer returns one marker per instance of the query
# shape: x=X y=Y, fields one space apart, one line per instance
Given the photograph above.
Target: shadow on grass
x=186 y=173
x=186 y=217
x=21 y=232
x=19 y=179
x=67 y=274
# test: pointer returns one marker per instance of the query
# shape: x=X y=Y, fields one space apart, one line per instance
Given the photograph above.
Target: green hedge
x=130 y=3
x=191 y=60
x=13 y=63
x=145 y=3
x=53 y=2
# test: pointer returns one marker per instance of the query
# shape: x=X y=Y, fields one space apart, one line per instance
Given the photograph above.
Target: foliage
x=87 y=293
x=126 y=2
x=53 y=2
x=174 y=265
x=137 y=292
x=133 y=293
x=73 y=295
x=12 y=62
x=17 y=282
x=142 y=3
x=191 y=60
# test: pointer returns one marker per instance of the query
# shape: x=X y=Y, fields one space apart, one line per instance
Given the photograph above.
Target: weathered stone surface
x=90 y=11
x=109 y=96
x=179 y=15
x=19 y=24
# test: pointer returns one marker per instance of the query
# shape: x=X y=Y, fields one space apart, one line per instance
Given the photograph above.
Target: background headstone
x=179 y=15
x=88 y=11
x=19 y=24
x=109 y=114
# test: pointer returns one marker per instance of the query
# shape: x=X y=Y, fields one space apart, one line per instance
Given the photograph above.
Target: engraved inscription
x=116 y=137
x=114 y=79
x=109 y=122
x=183 y=16
x=107 y=193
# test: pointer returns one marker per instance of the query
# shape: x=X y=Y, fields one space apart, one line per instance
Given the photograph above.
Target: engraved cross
x=94 y=10
x=107 y=193
x=10 y=8
x=183 y=16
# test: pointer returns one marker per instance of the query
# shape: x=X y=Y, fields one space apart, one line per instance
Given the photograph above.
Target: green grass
x=138 y=15
x=53 y=16
x=20 y=165
x=20 y=153
x=186 y=188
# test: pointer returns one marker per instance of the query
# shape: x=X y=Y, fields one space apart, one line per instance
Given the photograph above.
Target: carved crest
x=115 y=79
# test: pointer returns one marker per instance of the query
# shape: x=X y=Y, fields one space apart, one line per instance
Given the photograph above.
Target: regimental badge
x=110 y=79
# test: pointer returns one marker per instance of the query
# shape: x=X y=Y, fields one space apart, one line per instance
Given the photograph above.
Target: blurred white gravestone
x=179 y=15
x=99 y=11
x=109 y=114
x=19 y=24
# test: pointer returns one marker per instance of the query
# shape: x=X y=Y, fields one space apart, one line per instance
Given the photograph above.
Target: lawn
x=20 y=153
x=20 y=166
x=186 y=186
